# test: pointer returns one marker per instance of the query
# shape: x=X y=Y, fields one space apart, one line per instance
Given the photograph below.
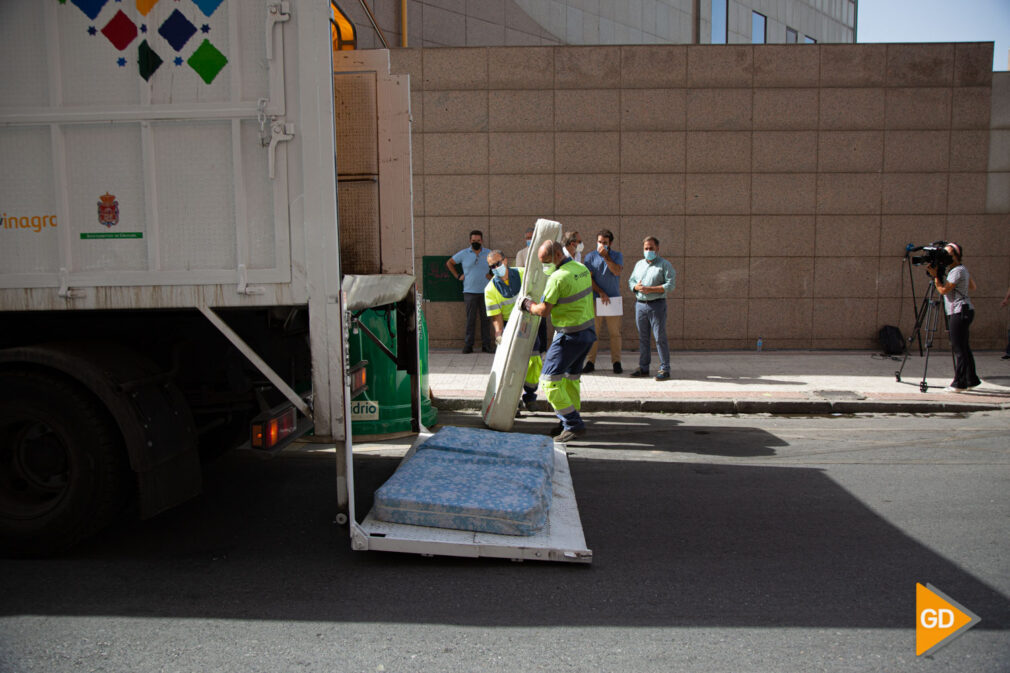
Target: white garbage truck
x=197 y=199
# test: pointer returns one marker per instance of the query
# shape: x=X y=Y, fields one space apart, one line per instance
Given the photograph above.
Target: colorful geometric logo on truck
x=177 y=32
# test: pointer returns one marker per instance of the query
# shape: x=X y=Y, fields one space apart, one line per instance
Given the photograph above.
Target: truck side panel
x=172 y=155
x=160 y=149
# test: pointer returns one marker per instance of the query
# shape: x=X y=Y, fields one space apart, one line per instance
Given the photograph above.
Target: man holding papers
x=605 y=265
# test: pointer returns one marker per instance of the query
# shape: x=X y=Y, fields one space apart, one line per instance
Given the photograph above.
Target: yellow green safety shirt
x=496 y=303
x=570 y=290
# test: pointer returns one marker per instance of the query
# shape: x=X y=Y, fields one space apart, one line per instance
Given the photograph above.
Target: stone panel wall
x=783 y=182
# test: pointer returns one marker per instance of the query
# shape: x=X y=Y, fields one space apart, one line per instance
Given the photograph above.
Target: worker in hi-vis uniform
x=568 y=300
x=500 y=296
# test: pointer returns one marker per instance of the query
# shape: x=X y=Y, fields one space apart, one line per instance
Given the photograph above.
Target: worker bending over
x=500 y=296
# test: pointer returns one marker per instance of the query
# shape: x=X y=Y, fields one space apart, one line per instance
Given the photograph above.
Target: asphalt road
x=754 y=543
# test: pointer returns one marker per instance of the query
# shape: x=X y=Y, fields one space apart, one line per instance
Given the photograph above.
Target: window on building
x=720 y=25
x=809 y=40
x=758 y=28
x=791 y=36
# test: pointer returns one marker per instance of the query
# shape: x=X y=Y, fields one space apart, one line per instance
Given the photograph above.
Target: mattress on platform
x=498 y=448
x=472 y=479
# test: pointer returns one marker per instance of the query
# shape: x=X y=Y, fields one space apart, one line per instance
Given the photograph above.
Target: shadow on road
x=675 y=544
x=630 y=432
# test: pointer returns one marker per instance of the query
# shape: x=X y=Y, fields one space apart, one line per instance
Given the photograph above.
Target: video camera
x=934 y=254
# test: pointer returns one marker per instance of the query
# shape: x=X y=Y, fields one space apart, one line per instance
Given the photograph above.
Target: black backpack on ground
x=891 y=340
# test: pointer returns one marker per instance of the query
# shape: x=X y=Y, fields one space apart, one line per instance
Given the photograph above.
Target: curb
x=750 y=406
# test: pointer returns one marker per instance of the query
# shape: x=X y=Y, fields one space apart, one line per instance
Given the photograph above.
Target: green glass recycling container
x=383 y=408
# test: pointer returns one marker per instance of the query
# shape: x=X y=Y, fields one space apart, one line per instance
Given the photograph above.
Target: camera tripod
x=928 y=316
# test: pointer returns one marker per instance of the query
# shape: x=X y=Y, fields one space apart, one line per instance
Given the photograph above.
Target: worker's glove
x=525 y=304
x=497 y=340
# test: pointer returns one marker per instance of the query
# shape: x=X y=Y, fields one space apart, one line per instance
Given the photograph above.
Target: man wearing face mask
x=474 y=274
x=651 y=280
x=500 y=296
x=605 y=265
x=573 y=245
x=568 y=300
x=524 y=252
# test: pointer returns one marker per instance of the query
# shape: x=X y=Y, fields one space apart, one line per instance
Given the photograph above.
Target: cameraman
x=954 y=288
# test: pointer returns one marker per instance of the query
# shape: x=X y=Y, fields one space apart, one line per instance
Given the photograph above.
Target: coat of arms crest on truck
x=108 y=210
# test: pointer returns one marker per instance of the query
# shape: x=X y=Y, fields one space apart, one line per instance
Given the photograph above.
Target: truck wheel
x=64 y=473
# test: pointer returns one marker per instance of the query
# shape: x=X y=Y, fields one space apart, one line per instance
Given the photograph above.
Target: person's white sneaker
x=952 y=389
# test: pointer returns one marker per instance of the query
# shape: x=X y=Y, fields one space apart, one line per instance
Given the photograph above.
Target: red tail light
x=358 y=378
x=269 y=432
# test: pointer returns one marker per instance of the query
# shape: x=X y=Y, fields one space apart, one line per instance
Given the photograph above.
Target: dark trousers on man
x=476 y=311
x=964 y=362
x=650 y=318
x=562 y=373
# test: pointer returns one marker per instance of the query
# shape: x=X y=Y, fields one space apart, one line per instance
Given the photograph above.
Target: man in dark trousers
x=568 y=300
x=652 y=279
x=474 y=272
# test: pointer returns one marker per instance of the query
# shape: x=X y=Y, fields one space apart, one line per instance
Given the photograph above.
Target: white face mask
x=579 y=248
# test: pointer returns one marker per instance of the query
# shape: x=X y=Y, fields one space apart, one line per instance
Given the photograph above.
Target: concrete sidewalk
x=804 y=382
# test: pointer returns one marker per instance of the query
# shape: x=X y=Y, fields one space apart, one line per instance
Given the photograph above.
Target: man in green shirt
x=652 y=279
x=568 y=300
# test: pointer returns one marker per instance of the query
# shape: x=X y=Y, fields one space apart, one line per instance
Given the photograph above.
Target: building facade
x=784 y=183
x=489 y=23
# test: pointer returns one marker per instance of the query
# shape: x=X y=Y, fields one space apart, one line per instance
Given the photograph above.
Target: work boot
x=556 y=430
x=663 y=376
x=589 y=368
x=618 y=368
x=639 y=373
x=569 y=435
x=467 y=350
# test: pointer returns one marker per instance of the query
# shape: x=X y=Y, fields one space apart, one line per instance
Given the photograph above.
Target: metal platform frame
x=561 y=538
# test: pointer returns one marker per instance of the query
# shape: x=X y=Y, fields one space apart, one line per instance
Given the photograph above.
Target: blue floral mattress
x=472 y=479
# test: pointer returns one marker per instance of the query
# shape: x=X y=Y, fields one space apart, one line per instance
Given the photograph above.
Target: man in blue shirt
x=605 y=265
x=520 y=257
x=474 y=272
x=651 y=280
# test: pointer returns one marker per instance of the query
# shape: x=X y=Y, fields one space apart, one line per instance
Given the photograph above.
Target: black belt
x=649 y=301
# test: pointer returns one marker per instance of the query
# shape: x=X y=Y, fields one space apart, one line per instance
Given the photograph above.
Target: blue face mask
x=500 y=270
x=650 y=255
x=529 y=242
